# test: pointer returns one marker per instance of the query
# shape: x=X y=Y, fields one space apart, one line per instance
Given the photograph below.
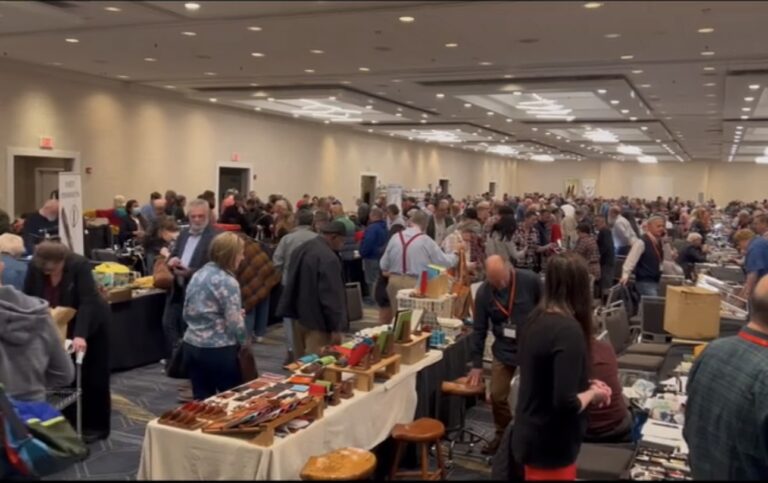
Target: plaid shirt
x=726 y=417
x=529 y=239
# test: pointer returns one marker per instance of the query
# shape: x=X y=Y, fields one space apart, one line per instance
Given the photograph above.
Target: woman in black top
x=555 y=388
x=133 y=225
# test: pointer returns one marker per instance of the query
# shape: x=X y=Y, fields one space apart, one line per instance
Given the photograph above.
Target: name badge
x=510 y=332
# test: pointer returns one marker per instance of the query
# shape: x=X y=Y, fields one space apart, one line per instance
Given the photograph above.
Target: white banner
x=395 y=195
x=71 y=212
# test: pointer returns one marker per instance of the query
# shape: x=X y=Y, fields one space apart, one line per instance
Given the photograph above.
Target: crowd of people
x=222 y=264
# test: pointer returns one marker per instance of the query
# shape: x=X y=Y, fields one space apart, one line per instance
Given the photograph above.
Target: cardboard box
x=692 y=313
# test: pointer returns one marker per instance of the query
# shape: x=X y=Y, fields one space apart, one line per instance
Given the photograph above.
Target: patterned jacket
x=256 y=275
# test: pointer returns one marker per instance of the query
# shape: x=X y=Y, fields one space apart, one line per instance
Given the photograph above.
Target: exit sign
x=46 y=142
x=235 y=157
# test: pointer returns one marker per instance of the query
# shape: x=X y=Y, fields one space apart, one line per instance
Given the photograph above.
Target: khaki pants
x=501 y=378
x=395 y=284
x=306 y=341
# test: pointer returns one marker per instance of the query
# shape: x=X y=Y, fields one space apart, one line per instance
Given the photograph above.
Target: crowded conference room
x=384 y=240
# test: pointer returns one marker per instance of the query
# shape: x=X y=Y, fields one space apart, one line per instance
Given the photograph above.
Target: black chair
x=104 y=255
x=622 y=337
x=603 y=462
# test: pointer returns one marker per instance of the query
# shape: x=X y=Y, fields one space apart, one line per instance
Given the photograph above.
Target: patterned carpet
x=140 y=395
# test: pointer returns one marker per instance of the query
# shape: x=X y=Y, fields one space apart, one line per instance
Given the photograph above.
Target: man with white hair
x=409 y=253
x=695 y=252
x=645 y=258
x=11 y=248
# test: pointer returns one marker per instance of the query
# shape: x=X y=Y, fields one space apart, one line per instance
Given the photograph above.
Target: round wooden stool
x=424 y=432
x=345 y=464
x=460 y=434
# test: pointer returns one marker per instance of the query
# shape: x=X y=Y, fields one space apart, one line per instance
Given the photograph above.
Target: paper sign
x=71 y=211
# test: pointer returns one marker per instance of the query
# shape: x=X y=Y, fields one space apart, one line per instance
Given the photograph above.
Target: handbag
x=176 y=367
x=163 y=278
x=39 y=447
x=248 y=369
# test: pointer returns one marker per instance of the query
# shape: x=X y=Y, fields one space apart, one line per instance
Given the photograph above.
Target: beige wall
x=138 y=140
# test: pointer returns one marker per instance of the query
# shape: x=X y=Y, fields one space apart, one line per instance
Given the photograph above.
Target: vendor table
x=362 y=422
x=136 y=331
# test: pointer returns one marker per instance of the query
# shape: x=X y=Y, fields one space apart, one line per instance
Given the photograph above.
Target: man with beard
x=189 y=255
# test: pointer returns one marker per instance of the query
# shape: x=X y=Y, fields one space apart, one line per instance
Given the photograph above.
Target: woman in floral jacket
x=214 y=316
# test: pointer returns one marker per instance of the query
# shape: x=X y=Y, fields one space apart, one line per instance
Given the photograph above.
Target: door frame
x=38 y=172
x=440 y=184
x=375 y=177
x=12 y=152
x=495 y=188
x=246 y=166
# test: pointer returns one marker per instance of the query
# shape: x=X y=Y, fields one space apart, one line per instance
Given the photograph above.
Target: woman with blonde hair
x=215 y=320
x=11 y=249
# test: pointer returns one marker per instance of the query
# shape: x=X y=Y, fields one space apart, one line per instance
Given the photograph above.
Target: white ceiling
x=560 y=56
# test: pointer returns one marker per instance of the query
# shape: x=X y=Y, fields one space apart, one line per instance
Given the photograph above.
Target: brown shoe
x=492 y=447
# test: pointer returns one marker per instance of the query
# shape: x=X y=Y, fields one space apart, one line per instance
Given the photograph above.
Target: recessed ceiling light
x=709 y=68
x=746 y=109
x=122 y=76
x=614 y=102
x=612 y=36
x=407 y=19
x=439 y=95
x=254 y=28
x=399 y=114
x=257 y=109
x=710 y=84
x=424 y=115
x=754 y=87
x=711 y=95
x=191 y=6
x=645 y=86
x=601 y=91
x=706 y=30
x=485 y=63
x=150 y=59
x=423 y=121
x=257 y=54
x=534 y=129
x=326 y=122
x=490 y=113
x=210 y=74
x=451 y=45
x=170 y=87
x=189 y=34
x=625 y=111
x=637 y=71
x=707 y=53
x=591 y=5
x=749 y=99
x=113 y=9
x=370 y=130
x=72 y=40
x=309 y=71
x=57 y=64
x=633 y=118
x=369 y=106
x=644 y=128
x=627 y=57
x=271 y=99
x=213 y=99
x=317 y=51
x=467 y=105
x=363 y=69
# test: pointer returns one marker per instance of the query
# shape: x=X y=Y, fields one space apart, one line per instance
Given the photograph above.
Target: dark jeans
x=173 y=324
x=648 y=289
x=212 y=370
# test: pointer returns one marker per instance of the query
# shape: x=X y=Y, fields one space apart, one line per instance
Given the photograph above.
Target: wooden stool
x=424 y=432
x=460 y=434
x=345 y=464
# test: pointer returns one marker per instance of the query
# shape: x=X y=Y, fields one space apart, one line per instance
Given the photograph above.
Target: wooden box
x=413 y=351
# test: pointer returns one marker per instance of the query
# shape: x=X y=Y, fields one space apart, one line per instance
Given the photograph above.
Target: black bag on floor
x=176 y=367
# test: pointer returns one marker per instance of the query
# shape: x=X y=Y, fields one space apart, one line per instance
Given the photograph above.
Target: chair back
x=652 y=315
x=104 y=255
x=617 y=324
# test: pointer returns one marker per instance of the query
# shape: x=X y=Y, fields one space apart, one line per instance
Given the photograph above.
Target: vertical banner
x=572 y=188
x=588 y=185
x=71 y=211
x=395 y=195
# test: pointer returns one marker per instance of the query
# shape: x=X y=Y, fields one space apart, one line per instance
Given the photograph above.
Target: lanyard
x=405 y=248
x=754 y=339
x=508 y=310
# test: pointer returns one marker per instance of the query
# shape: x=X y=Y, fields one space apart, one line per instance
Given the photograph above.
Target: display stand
x=364 y=378
x=413 y=351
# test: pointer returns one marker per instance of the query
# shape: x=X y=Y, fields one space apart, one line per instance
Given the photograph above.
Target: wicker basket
x=442 y=307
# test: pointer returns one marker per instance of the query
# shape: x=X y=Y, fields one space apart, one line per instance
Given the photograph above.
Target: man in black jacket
x=437 y=229
x=314 y=294
x=607 y=253
x=188 y=256
x=502 y=304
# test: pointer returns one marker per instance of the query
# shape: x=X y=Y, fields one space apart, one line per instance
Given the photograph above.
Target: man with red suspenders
x=408 y=253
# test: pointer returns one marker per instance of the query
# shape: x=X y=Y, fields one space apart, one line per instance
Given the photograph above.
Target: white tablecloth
x=363 y=421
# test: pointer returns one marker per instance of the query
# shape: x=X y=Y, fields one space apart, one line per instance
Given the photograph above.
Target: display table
x=361 y=422
x=136 y=331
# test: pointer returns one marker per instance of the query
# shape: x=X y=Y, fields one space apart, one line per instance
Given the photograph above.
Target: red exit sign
x=46 y=142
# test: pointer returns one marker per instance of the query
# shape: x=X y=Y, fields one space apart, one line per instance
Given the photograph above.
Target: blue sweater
x=374 y=240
